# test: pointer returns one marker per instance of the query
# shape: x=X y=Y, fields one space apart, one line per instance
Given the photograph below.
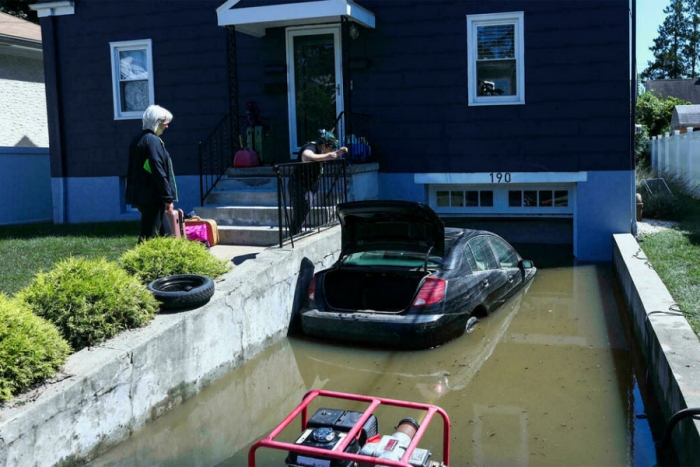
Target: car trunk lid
x=390 y=225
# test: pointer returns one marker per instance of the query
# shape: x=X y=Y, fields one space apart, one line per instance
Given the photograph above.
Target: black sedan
x=403 y=279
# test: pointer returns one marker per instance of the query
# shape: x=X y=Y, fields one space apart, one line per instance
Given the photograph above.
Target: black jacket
x=150 y=178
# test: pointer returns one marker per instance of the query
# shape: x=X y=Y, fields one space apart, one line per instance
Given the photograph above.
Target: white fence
x=677 y=155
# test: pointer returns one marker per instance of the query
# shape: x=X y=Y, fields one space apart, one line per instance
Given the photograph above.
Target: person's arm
x=309 y=155
x=159 y=171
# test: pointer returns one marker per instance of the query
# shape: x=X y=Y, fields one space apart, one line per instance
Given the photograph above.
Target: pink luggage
x=176 y=221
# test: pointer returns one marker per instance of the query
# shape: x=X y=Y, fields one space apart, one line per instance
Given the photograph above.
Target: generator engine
x=328 y=427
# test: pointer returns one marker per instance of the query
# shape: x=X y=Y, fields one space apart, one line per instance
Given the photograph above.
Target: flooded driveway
x=548 y=379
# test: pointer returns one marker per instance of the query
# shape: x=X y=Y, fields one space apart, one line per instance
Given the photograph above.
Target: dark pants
x=300 y=206
x=152 y=223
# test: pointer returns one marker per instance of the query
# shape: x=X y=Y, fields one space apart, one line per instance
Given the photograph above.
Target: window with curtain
x=495 y=59
x=132 y=78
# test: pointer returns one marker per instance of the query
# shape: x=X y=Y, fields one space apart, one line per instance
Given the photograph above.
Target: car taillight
x=432 y=292
x=311 y=292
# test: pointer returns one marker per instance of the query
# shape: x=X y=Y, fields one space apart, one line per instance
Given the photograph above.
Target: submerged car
x=402 y=279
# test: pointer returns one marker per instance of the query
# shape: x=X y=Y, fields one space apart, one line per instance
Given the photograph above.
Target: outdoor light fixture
x=354 y=31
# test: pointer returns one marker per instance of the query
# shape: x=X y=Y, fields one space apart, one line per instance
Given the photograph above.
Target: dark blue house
x=516 y=109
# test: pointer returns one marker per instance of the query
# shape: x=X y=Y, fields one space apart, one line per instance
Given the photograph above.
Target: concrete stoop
x=671 y=349
x=106 y=393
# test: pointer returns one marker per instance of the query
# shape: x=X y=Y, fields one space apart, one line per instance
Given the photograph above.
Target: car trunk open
x=370 y=289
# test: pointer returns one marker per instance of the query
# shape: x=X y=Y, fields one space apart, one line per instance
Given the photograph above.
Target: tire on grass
x=182 y=291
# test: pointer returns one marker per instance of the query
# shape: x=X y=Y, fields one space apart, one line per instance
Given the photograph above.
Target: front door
x=314 y=77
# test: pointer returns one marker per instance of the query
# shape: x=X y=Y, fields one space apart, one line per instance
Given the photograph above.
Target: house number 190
x=500 y=177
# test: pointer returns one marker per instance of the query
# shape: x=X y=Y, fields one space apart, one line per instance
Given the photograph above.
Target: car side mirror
x=525 y=264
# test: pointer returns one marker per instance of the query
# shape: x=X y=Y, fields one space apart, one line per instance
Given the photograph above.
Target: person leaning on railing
x=305 y=178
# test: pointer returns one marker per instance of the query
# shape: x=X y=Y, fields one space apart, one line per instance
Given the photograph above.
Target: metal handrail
x=215 y=156
x=308 y=194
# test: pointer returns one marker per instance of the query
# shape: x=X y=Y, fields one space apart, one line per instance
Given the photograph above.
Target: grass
x=30 y=248
x=675 y=253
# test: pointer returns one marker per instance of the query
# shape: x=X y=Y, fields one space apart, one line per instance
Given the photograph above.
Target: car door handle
x=484 y=284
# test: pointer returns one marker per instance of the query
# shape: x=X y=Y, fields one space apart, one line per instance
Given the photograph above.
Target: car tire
x=182 y=290
x=471 y=322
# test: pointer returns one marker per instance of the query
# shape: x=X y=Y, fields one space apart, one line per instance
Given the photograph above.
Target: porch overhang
x=255 y=20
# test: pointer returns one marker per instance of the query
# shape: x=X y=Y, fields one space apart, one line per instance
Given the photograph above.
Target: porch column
x=232 y=85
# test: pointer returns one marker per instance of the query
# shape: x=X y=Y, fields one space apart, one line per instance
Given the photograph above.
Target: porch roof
x=255 y=20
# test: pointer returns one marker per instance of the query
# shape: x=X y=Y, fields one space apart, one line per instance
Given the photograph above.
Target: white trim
x=515 y=18
x=255 y=20
x=291 y=93
x=114 y=49
x=491 y=178
x=53 y=8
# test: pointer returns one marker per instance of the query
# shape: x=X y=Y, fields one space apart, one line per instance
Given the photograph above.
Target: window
x=482 y=254
x=506 y=256
x=132 y=78
x=538 y=198
x=495 y=59
x=464 y=198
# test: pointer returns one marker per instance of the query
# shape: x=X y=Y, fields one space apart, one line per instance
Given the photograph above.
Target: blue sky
x=650 y=15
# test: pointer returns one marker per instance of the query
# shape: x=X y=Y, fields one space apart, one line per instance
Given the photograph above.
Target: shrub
x=166 y=256
x=89 y=300
x=31 y=348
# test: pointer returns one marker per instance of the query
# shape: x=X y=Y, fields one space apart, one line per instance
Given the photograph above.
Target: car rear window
x=391 y=258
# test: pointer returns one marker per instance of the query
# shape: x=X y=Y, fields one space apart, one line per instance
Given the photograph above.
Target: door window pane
x=314 y=85
x=546 y=198
x=487 y=198
x=515 y=199
x=482 y=254
x=530 y=198
x=561 y=198
x=506 y=256
x=472 y=198
x=443 y=199
x=457 y=198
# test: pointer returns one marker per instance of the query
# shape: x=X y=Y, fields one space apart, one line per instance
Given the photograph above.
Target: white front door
x=314 y=77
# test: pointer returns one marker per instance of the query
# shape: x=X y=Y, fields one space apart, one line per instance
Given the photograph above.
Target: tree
x=691 y=50
x=670 y=44
x=20 y=9
x=654 y=113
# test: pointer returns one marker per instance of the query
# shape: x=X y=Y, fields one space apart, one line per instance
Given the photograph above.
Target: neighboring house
x=25 y=188
x=492 y=110
x=684 y=89
x=685 y=116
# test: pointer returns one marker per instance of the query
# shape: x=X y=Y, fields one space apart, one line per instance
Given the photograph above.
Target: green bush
x=89 y=300
x=31 y=348
x=166 y=256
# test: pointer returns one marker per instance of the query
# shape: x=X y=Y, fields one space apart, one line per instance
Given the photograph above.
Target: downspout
x=633 y=97
x=54 y=104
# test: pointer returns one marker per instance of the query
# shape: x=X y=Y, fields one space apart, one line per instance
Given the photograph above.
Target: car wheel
x=471 y=322
x=182 y=290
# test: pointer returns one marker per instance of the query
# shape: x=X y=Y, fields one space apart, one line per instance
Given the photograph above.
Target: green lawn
x=675 y=253
x=30 y=248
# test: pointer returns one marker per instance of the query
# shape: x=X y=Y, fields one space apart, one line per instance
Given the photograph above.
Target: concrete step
x=259 y=215
x=240 y=215
x=247 y=184
x=248 y=235
x=242 y=198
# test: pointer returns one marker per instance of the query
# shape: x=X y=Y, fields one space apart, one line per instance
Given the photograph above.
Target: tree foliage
x=676 y=48
x=654 y=113
x=20 y=9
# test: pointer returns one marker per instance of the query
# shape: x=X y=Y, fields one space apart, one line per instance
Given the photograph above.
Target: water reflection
x=546 y=380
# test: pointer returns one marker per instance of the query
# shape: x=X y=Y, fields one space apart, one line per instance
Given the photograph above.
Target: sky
x=650 y=15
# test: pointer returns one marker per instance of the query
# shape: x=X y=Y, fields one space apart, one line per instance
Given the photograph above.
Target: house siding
x=189 y=69
x=23 y=109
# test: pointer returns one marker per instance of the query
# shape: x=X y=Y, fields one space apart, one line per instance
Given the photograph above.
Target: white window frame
x=496 y=19
x=500 y=206
x=115 y=48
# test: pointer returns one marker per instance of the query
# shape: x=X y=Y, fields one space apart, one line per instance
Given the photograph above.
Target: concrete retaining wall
x=671 y=348
x=106 y=393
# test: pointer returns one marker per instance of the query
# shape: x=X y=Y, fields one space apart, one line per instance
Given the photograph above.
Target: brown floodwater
x=549 y=379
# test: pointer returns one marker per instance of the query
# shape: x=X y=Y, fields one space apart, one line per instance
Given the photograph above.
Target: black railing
x=307 y=196
x=215 y=156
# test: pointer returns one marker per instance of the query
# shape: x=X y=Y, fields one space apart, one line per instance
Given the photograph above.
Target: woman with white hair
x=150 y=180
